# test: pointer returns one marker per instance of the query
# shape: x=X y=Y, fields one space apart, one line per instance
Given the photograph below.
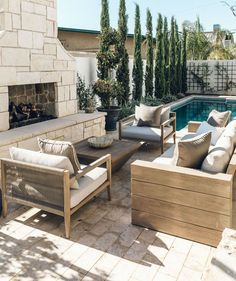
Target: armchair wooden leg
x=4 y=206
x=67 y=221
x=174 y=138
x=162 y=147
x=109 y=193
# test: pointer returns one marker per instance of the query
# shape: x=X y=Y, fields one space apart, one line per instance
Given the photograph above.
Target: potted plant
x=86 y=100
x=108 y=90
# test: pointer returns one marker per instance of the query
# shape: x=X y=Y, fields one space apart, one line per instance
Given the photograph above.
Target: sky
x=85 y=14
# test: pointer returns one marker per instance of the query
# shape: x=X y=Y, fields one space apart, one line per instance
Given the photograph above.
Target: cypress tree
x=178 y=59
x=166 y=55
x=138 y=63
x=184 y=86
x=149 y=57
x=172 y=63
x=122 y=73
x=159 y=60
x=103 y=71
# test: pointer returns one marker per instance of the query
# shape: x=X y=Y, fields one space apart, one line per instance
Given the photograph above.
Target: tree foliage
x=178 y=46
x=149 y=56
x=184 y=86
x=122 y=73
x=166 y=55
x=159 y=60
x=138 y=63
x=172 y=60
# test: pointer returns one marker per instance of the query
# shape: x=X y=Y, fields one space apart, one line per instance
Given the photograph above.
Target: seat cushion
x=87 y=184
x=192 y=152
x=63 y=148
x=169 y=157
x=144 y=133
x=218 y=119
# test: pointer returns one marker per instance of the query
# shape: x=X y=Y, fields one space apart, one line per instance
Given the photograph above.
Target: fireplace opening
x=29 y=104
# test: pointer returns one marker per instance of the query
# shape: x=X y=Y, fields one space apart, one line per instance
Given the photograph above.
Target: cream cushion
x=218 y=157
x=165 y=114
x=191 y=152
x=169 y=157
x=149 y=115
x=218 y=119
x=87 y=184
x=63 y=148
x=215 y=131
x=43 y=159
x=144 y=133
x=230 y=131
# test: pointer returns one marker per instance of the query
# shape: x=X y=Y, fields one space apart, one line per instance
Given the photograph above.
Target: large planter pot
x=111 y=117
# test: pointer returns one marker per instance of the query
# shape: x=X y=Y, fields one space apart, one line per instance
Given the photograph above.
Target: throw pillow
x=218 y=119
x=165 y=114
x=191 y=152
x=150 y=116
x=44 y=159
x=216 y=132
x=62 y=148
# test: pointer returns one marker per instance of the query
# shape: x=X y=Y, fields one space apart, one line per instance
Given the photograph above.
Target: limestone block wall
x=30 y=53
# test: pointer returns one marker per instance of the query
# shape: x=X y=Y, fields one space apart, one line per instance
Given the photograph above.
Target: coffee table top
x=120 y=150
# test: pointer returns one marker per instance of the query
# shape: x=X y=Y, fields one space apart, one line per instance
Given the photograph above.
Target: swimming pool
x=198 y=108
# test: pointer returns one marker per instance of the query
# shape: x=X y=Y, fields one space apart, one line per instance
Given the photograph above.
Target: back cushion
x=218 y=119
x=150 y=115
x=43 y=159
x=218 y=158
x=216 y=132
x=230 y=131
x=165 y=114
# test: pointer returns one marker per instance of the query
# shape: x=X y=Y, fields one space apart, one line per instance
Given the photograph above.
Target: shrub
x=84 y=94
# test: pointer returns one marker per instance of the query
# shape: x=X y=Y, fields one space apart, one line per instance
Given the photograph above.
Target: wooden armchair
x=50 y=189
x=148 y=134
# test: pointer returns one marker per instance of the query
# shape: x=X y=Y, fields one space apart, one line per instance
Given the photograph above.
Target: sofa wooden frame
x=189 y=203
x=171 y=121
x=63 y=175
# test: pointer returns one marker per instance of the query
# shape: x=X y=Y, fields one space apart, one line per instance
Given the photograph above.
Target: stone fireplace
x=35 y=69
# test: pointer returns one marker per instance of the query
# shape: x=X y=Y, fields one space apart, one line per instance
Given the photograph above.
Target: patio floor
x=104 y=244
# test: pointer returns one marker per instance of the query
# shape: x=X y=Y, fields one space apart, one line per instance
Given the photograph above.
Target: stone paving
x=104 y=244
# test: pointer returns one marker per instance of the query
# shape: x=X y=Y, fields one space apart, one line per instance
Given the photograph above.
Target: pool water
x=199 y=109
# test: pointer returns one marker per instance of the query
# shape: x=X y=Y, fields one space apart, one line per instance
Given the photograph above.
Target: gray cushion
x=218 y=119
x=144 y=133
x=149 y=115
x=191 y=152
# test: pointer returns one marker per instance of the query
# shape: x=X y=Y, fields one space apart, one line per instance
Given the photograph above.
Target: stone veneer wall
x=30 y=53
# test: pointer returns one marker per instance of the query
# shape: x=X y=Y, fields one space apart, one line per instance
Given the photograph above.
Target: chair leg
x=4 y=206
x=174 y=138
x=162 y=147
x=109 y=193
x=67 y=221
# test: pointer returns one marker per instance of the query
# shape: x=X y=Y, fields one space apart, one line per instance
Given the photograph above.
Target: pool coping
x=176 y=104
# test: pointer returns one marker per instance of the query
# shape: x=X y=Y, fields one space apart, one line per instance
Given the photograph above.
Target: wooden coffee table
x=120 y=150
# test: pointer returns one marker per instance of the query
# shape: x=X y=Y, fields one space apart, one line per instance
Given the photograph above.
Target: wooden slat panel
x=182 y=197
x=173 y=227
x=181 y=213
x=182 y=178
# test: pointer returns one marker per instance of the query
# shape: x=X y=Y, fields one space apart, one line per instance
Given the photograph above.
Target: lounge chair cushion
x=43 y=159
x=169 y=157
x=87 y=184
x=230 y=131
x=165 y=114
x=63 y=148
x=216 y=132
x=192 y=152
x=219 y=156
x=218 y=119
x=144 y=133
x=149 y=115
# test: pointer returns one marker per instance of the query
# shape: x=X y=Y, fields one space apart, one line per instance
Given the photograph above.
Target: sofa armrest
x=182 y=178
x=103 y=160
x=193 y=126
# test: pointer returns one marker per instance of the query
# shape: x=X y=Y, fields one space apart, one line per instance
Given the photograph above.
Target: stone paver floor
x=104 y=244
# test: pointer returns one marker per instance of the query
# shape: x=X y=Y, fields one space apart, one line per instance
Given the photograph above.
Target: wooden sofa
x=147 y=134
x=48 y=188
x=184 y=202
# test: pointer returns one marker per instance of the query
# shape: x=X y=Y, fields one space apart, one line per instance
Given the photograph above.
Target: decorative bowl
x=100 y=142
